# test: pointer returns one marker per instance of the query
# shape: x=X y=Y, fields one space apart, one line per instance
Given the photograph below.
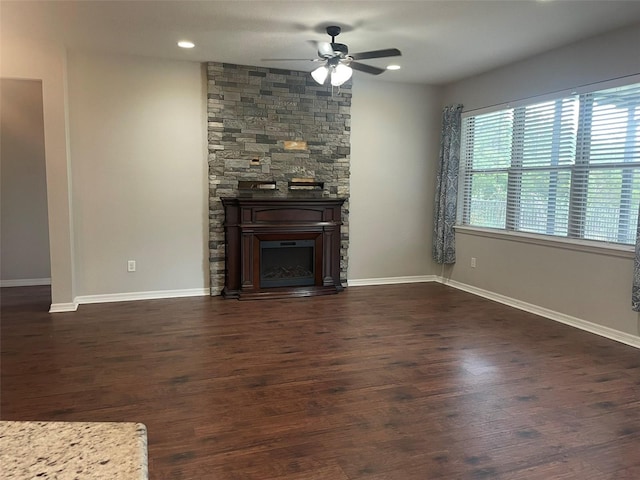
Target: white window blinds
x=566 y=167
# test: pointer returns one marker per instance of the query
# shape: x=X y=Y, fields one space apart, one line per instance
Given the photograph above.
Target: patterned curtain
x=635 y=291
x=444 y=240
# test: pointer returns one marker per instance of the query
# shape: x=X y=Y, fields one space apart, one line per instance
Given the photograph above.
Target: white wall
x=23 y=58
x=395 y=133
x=139 y=164
x=137 y=150
x=25 y=228
x=593 y=60
x=589 y=286
x=140 y=175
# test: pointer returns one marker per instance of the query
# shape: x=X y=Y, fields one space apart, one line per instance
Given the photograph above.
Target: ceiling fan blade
x=366 y=68
x=290 y=59
x=325 y=50
x=389 y=52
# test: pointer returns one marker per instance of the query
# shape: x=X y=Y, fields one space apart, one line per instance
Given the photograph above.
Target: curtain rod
x=552 y=93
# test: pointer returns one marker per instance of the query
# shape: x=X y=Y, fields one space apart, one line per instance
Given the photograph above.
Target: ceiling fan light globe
x=340 y=74
x=320 y=74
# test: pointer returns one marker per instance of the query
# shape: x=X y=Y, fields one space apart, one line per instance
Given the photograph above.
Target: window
x=567 y=167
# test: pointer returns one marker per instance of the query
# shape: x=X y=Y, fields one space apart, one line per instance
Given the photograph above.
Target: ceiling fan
x=338 y=64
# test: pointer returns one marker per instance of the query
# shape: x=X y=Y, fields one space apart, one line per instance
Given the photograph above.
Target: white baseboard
x=591 y=327
x=25 y=282
x=391 y=280
x=579 y=323
x=63 y=307
x=153 y=295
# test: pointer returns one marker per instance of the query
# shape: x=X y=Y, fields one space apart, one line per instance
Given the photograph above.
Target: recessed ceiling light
x=186 y=44
x=393 y=67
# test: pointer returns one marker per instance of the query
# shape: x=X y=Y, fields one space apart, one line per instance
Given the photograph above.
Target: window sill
x=601 y=248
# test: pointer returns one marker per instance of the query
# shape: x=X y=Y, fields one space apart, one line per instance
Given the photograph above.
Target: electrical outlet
x=473 y=262
x=131 y=266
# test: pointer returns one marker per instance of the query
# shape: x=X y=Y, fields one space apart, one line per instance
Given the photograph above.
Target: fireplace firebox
x=287 y=263
x=281 y=247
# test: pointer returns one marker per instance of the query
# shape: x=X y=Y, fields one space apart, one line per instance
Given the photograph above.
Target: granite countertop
x=73 y=450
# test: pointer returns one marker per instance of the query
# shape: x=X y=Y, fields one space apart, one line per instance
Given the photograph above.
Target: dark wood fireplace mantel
x=249 y=221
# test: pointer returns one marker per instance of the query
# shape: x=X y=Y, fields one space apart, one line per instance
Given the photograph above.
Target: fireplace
x=281 y=247
x=287 y=263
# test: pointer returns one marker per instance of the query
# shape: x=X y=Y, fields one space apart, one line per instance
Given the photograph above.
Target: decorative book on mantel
x=305 y=184
x=293 y=184
x=256 y=185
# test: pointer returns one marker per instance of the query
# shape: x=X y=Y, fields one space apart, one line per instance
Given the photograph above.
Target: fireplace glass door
x=287 y=263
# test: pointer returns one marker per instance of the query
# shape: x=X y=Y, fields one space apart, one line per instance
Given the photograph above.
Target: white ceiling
x=441 y=41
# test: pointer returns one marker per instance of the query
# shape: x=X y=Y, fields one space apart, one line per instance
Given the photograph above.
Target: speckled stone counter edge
x=141 y=428
x=69 y=450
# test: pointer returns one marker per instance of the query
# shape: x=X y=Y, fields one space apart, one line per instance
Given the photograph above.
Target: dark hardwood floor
x=399 y=382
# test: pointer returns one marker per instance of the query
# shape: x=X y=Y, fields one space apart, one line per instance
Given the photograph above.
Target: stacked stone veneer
x=251 y=112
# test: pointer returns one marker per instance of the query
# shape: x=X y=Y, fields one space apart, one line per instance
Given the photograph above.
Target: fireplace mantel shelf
x=251 y=220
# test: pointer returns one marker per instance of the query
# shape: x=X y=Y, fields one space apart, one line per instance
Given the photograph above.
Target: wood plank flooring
x=398 y=382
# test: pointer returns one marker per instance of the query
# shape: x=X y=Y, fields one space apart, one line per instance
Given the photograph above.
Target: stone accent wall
x=251 y=112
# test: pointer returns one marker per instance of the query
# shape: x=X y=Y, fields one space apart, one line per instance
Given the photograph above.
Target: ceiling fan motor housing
x=341 y=48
